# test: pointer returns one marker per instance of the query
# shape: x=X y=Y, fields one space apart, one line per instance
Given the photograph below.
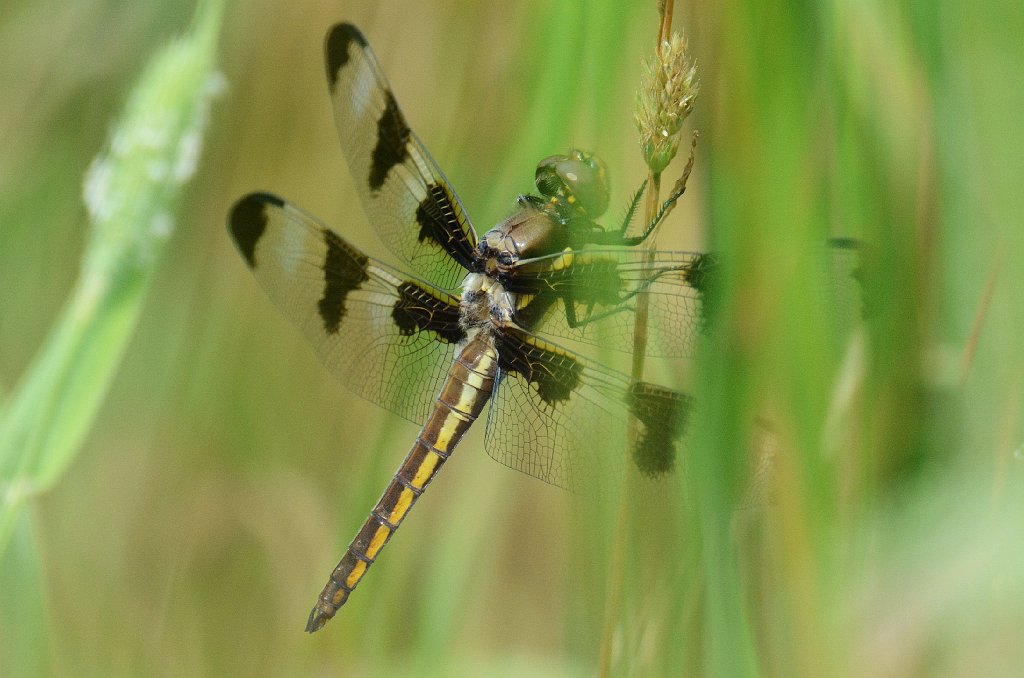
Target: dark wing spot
x=430 y=219
x=529 y=315
x=555 y=375
x=392 y=137
x=594 y=283
x=248 y=220
x=861 y=273
x=439 y=223
x=344 y=270
x=419 y=311
x=336 y=49
x=590 y=286
x=701 y=275
x=598 y=282
x=587 y=280
x=663 y=415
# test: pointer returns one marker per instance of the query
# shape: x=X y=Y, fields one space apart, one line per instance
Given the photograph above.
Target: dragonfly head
x=574 y=183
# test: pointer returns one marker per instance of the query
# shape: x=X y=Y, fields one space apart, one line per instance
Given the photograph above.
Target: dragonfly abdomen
x=462 y=398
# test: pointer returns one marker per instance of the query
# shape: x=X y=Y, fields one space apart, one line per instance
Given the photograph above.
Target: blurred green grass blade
x=21 y=605
x=131 y=192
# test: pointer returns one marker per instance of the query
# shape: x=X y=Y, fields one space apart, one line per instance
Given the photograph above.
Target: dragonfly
x=478 y=325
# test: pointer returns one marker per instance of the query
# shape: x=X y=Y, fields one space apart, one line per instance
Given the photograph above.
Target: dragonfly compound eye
x=577 y=181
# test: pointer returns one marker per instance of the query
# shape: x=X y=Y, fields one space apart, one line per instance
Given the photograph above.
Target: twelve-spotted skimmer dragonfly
x=409 y=344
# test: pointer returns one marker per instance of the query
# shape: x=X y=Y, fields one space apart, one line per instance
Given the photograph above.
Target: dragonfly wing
x=388 y=337
x=565 y=421
x=592 y=296
x=404 y=193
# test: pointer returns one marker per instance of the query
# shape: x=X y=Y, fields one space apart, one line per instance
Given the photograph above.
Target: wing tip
x=336 y=48
x=247 y=222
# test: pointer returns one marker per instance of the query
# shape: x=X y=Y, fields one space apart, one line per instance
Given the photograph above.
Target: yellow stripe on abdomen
x=356 y=574
x=402 y=506
x=449 y=429
x=426 y=470
x=380 y=537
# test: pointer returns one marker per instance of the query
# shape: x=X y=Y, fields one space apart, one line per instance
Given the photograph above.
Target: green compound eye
x=576 y=182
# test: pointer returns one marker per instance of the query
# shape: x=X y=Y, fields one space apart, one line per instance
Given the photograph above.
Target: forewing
x=388 y=337
x=565 y=421
x=404 y=193
x=592 y=296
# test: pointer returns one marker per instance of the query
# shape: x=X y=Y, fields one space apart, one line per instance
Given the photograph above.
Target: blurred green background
x=226 y=471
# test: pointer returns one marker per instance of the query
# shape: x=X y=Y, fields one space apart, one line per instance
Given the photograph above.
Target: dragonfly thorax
x=485 y=303
x=530 y=232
